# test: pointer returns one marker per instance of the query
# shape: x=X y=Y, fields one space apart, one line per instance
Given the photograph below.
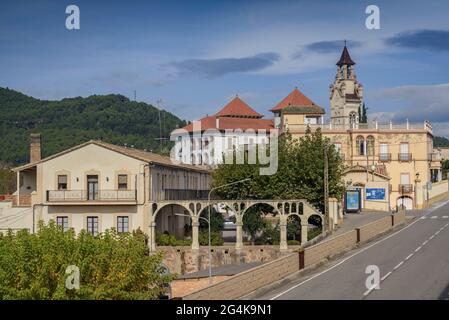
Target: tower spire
x=345 y=58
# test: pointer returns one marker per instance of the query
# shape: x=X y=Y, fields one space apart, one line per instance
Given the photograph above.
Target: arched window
x=352 y=118
x=360 y=142
x=348 y=72
x=370 y=145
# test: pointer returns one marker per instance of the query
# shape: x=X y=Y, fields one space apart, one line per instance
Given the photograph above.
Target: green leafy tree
x=300 y=173
x=363 y=117
x=112 y=265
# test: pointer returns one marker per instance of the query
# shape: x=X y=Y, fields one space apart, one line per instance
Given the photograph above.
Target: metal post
x=326 y=186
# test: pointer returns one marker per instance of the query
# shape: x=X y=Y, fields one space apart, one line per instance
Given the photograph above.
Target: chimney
x=35 y=147
x=217 y=123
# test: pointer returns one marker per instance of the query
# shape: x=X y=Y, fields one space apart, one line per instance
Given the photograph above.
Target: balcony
x=84 y=196
x=385 y=157
x=405 y=157
x=405 y=188
x=434 y=157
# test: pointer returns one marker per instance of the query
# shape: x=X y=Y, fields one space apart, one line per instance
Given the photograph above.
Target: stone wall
x=323 y=250
x=373 y=229
x=248 y=281
x=182 y=260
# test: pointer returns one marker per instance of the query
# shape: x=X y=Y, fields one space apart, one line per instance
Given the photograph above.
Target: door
x=405 y=202
x=92 y=187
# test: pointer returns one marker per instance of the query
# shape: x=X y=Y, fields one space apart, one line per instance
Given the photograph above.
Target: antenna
x=158 y=102
x=135 y=95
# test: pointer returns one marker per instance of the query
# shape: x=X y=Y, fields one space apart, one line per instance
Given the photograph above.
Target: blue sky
x=196 y=55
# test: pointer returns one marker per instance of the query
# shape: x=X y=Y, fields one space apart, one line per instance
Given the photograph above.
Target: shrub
x=111 y=265
x=170 y=240
x=215 y=238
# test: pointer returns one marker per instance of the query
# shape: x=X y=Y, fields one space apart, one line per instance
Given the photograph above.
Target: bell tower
x=346 y=93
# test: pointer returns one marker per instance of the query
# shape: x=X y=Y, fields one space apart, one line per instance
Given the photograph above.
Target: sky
x=195 y=56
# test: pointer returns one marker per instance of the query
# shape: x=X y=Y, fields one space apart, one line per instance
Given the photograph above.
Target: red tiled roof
x=231 y=123
x=238 y=108
x=297 y=99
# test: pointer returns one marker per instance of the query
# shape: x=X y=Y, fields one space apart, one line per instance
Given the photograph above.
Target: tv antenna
x=161 y=138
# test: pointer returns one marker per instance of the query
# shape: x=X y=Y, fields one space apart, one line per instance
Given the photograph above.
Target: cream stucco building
x=97 y=186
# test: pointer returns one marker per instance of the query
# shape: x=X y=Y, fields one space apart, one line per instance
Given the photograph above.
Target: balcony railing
x=405 y=188
x=405 y=157
x=384 y=157
x=86 y=196
x=434 y=157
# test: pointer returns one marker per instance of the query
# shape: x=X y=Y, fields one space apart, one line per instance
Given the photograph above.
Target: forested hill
x=440 y=142
x=63 y=124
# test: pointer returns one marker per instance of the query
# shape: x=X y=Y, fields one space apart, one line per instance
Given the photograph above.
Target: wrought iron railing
x=97 y=195
x=385 y=157
x=405 y=188
x=405 y=157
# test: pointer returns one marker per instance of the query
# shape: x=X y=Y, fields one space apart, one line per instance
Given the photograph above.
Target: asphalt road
x=413 y=263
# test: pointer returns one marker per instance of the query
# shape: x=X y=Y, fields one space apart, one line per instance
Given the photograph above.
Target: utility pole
x=160 y=123
x=326 y=187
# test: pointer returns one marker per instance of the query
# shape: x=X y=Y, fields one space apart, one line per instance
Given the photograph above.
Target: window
x=62 y=182
x=122 y=182
x=383 y=152
x=360 y=142
x=122 y=224
x=92 y=225
x=63 y=222
x=370 y=145
x=352 y=118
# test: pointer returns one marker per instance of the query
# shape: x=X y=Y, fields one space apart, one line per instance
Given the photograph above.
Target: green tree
x=7 y=180
x=112 y=265
x=299 y=176
x=363 y=118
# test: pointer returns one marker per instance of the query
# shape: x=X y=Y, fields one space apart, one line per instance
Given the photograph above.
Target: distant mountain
x=112 y=118
x=440 y=142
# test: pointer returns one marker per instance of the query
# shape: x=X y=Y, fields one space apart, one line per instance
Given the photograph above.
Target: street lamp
x=208 y=206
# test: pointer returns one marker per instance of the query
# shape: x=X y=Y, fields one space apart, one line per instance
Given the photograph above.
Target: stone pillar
x=283 y=227
x=152 y=236
x=333 y=213
x=239 y=232
x=195 y=231
x=304 y=230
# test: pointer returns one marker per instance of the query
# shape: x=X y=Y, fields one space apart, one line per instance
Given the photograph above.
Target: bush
x=293 y=242
x=112 y=266
x=170 y=240
x=215 y=238
x=313 y=233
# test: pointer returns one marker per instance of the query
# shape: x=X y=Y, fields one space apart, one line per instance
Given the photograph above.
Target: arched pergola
x=284 y=208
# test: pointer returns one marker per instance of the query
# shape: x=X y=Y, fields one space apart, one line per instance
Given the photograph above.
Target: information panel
x=375 y=194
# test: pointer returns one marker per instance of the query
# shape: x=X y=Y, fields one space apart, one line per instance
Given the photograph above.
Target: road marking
x=422 y=218
x=398 y=265
x=417 y=249
x=445 y=217
x=425 y=242
x=386 y=276
x=355 y=254
x=431 y=237
x=433 y=217
x=409 y=256
x=437 y=232
x=367 y=292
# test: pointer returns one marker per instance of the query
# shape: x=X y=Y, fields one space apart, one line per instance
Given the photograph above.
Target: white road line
x=422 y=218
x=367 y=292
x=431 y=237
x=398 y=265
x=386 y=276
x=445 y=217
x=425 y=242
x=417 y=249
x=409 y=256
x=437 y=232
x=355 y=254
x=433 y=217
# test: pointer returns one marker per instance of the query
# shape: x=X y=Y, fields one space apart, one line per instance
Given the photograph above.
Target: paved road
x=413 y=264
